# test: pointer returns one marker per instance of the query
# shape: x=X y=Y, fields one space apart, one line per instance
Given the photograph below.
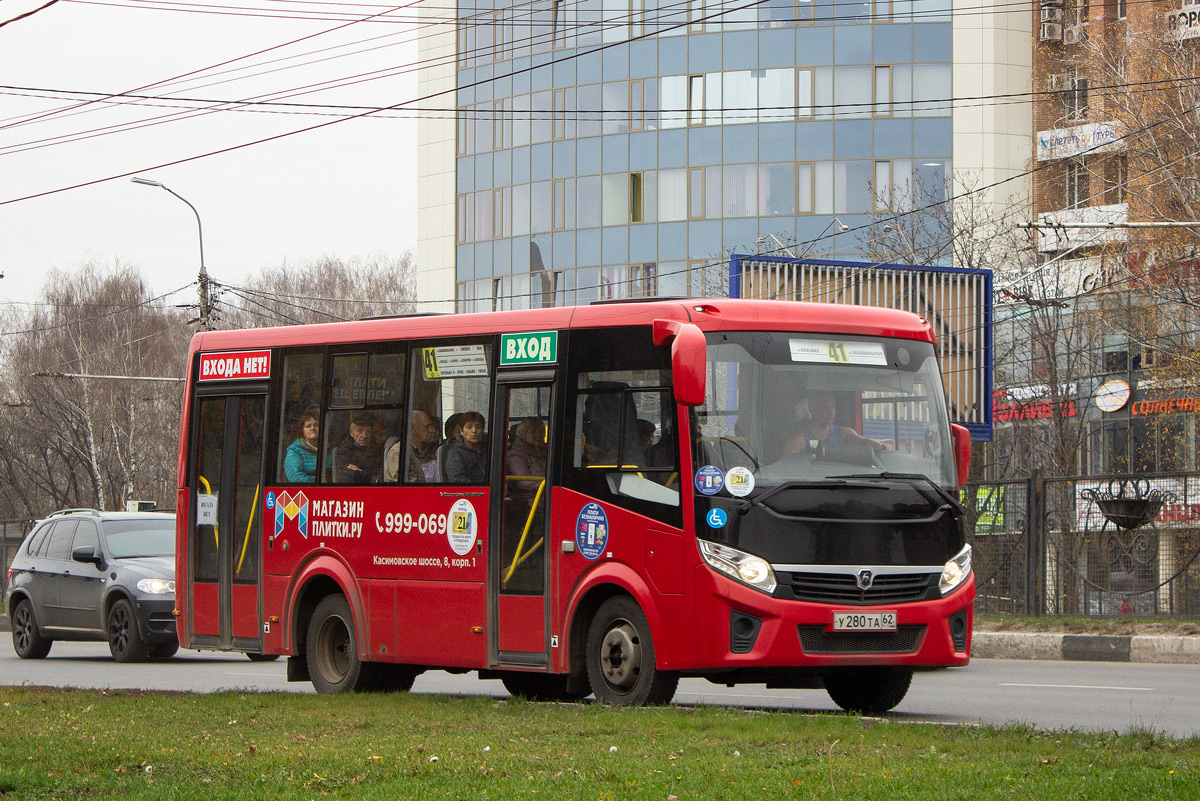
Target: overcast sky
x=344 y=190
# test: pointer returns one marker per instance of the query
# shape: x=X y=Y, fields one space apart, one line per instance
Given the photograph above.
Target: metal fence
x=1087 y=547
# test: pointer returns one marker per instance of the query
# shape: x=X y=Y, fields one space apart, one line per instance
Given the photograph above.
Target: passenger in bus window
x=820 y=428
x=465 y=461
x=359 y=459
x=421 y=451
x=300 y=462
x=527 y=457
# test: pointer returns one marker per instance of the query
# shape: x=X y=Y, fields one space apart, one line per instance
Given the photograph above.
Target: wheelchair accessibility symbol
x=717 y=518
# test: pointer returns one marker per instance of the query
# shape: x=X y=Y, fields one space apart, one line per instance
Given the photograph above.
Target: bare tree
x=322 y=291
x=69 y=436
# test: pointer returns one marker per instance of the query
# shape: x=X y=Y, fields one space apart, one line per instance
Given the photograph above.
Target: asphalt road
x=1093 y=696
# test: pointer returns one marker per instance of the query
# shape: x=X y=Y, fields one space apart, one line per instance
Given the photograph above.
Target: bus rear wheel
x=332 y=649
x=620 y=657
x=540 y=687
x=868 y=690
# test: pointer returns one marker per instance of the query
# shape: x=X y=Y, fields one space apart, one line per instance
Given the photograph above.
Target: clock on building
x=1112 y=395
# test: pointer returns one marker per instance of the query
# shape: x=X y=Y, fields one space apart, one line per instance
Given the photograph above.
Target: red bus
x=630 y=492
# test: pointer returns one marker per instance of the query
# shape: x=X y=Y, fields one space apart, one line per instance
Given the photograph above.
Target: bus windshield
x=797 y=408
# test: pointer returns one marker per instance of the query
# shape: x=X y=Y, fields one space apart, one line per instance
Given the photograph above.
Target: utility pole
x=205 y=296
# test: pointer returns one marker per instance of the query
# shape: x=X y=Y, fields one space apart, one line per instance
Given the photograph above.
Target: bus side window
x=622 y=437
x=447 y=380
x=303 y=376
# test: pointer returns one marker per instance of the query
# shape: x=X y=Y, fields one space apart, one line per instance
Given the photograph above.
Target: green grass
x=98 y=745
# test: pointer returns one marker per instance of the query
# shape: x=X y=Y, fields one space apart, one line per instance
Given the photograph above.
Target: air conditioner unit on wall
x=1052 y=15
x=1073 y=34
x=1051 y=32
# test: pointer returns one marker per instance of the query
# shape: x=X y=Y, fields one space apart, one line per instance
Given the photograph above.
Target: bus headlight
x=156 y=586
x=751 y=570
x=956 y=571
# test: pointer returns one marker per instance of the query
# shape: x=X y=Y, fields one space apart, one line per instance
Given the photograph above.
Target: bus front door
x=521 y=513
x=225 y=540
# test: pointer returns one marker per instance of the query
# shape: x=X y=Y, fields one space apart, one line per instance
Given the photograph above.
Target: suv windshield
x=132 y=538
x=799 y=407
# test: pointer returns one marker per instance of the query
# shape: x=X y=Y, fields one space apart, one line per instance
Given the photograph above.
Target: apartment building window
x=696 y=13
x=804 y=188
x=501 y=125
x=883 y=91
x=637 y=104
x=560 y=114
x=1120 y=9
x=558 y=23
x=1117 y=178
x=558 y=220
x=777 y=13
x=462 y=131
x=498 y=37
x=1076 y=184
x=883 y=11
x=460 y=219
x=637 y=11
x=804 y=93
x=643 y=280
x=696 y=193
x=695 y=100
x=881 y=186
x=1076 y=98
x=636 y=197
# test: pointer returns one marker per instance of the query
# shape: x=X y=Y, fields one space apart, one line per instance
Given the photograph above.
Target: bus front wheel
x=620 y=657
x=868 y=690
x=332 y=649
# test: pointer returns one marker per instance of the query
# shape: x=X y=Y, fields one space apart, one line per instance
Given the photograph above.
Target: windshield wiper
x=941 y=491
x=836 y=482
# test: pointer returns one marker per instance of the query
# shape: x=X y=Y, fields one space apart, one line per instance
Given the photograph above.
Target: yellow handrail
x=246 y=542
x=208 y=491
x=517 y=558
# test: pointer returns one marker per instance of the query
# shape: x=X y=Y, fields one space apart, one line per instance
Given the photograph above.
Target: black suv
x=88 y=575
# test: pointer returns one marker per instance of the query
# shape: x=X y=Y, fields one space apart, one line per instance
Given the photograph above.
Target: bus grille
x=842 y=588
x=814 y=639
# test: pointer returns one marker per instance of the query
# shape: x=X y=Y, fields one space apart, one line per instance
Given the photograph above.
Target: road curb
x=1072 y=647
x=1086 y=648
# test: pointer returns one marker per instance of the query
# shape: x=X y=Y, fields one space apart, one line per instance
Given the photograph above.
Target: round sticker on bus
x=461 y=528
x=739 y=481
x=591 y=531
x=709 y=480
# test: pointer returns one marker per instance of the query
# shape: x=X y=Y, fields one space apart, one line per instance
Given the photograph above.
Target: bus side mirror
x=688 y=352
x=962 y=452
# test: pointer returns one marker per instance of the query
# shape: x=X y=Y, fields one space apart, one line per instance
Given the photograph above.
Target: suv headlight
x=956 y=571
x=751 y=570
x=156 y=586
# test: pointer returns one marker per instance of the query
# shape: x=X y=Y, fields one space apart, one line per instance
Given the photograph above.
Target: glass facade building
x=623 y=148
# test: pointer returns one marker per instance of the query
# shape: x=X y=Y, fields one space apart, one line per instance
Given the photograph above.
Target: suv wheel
x=27 y=641
x=124 y=640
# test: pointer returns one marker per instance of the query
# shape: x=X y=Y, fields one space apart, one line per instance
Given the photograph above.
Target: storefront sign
x=1165 y=406
x=1183 y=24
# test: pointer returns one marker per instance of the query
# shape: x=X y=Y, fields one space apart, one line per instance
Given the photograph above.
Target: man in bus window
x=465 y=461
x=360 y=458
x=421 y=453
x=820 y=428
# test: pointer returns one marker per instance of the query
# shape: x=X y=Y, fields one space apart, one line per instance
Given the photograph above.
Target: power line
x=27 y=14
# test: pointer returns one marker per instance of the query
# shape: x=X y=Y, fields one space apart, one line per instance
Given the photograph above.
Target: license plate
x=864 y=621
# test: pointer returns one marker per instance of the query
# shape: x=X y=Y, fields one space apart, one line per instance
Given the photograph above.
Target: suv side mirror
x=87 y=554
x=962 y=452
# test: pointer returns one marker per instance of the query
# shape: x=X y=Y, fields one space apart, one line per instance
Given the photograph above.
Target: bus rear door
x=224 y=533
x=521 y=513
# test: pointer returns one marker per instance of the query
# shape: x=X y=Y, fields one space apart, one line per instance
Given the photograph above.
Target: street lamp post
x=203 y=277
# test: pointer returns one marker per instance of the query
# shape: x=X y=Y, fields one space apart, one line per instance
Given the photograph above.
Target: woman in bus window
x=465 y=461
x=300 y=462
